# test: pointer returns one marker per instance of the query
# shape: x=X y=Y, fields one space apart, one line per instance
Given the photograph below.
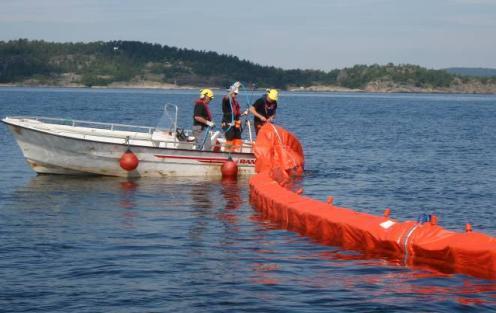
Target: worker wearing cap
x=202 y=118
x=264 y=109
x=231 y=123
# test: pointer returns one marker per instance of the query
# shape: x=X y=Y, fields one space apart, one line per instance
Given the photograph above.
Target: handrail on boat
x=74 y=123
x=112 y=126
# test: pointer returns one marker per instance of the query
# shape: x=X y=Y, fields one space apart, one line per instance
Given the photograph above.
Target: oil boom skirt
x=279 y=155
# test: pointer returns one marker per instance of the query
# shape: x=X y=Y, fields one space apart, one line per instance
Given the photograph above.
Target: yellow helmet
x=206 y=92
x=272 y=94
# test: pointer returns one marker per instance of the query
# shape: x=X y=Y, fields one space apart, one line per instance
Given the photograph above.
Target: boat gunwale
x=123 y=144
x=111 y=125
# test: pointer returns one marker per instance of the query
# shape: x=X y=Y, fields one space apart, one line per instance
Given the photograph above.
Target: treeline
x=472 y=71
x=103 y=63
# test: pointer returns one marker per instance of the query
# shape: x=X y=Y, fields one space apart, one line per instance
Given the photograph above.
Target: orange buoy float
x=129 y=161
x=387 y=212
x=468 y=228
x=433 y=219
x=330 y=200
x=229 y=169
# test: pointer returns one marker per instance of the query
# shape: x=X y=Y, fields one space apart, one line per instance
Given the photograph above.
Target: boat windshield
x=168 y=120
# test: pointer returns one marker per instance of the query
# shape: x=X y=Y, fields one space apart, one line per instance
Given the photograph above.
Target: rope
x=423 y=218
x=282 y=145
x=405 y=244
x=205 y=137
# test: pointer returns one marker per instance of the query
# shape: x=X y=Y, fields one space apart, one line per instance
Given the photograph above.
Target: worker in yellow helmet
x=202 y=118
x=264 y=109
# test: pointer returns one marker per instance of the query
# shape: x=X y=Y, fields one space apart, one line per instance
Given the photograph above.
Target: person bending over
x=264 y=109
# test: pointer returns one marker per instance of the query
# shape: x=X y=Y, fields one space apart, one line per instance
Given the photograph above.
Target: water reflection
x=128 y=194
x=385 y=280
x=231 y=193
x=202 y=205
x=200 y=194
x=263 y=273
x=207 y=222
x=59 y=192
x=127 y=200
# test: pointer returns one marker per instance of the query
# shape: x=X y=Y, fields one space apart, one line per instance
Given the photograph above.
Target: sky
x=305 y=34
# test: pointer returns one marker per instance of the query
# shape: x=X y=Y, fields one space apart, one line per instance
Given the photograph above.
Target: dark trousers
x=232 y=133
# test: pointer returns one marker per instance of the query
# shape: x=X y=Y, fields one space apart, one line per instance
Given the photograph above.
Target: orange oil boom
x=280 y=155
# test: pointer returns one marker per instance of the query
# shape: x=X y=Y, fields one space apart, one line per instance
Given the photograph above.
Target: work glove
x=210 y=124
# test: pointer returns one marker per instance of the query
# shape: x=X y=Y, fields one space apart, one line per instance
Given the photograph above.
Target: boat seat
x=163 y=136
x=181 y=136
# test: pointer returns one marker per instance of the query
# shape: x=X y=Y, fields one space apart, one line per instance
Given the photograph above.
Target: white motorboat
x=64 y=146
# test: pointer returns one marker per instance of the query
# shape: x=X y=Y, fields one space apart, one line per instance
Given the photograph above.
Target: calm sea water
x=72 y=244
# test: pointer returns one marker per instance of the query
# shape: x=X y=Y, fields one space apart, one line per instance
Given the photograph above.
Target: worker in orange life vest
x=231 y=123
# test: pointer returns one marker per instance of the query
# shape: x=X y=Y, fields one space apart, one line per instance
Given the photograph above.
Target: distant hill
x=140 y=64
x=472 y=71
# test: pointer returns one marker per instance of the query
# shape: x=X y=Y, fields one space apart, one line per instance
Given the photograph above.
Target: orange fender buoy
x=387 y=212
x=129 y=161
x=330 y=200
x=468 y=228
x=229 y=169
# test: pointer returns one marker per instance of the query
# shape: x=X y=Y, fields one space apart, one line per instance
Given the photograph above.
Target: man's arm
x=199 y=111
x=260 y=116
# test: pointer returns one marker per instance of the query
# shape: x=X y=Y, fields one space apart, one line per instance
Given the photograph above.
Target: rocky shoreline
x=373 y=87
x=389 y=87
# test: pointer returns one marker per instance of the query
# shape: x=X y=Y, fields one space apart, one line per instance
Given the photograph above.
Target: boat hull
x=49 y=153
